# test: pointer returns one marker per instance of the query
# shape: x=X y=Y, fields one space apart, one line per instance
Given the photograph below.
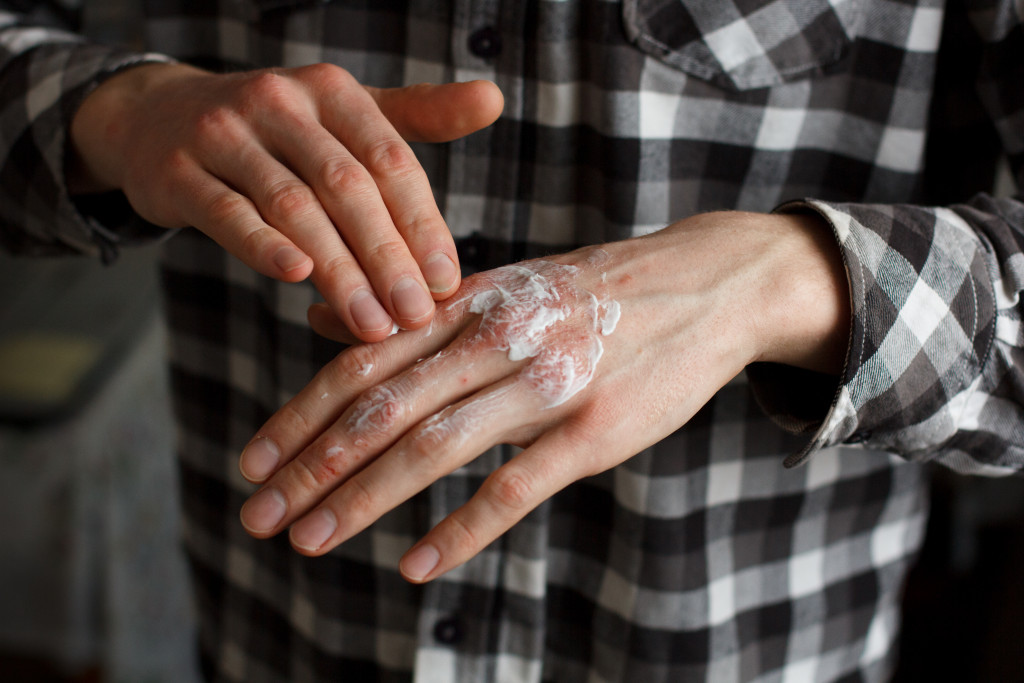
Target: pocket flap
x=743 y=44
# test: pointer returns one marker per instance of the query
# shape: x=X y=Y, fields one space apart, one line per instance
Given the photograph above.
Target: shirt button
x=449 y=631
x=485 y=42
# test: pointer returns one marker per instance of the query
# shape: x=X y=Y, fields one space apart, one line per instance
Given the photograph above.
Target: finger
x=324 y=322
x=346 y=185
x=506 y=496
x=434 y=449
x=334 y=388
x=231 y=220
x=291 y=206
x=351 y=196
x=439 y=113
x=367 y=428
x=320 y=404
x=410 y=216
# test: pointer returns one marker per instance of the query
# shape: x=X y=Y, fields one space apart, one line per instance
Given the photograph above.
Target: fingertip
x=490 y=100
x=475 y=105
x=419 y=563
x=292 y=264
x=311 y=534
x=376 y=335
x=412 y=302
x=259 y=459
x=325 y=322
x=441 y=274
x=371 y=321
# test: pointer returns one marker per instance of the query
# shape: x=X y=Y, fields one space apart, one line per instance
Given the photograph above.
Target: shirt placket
x=461 y=629
x=454 y=643
x=479 y=204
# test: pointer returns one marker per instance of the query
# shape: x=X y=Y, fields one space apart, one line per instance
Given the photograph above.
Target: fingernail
x=315 y=529
x=259 y=459
x=289 y=258
x=439 y=272
x=410 y=300
x=367 y=313
x=419 y=562
x=264 y=511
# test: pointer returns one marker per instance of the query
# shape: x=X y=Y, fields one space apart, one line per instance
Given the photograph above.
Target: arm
x=45 y=74
x=934 y=359
x=699 y=301
x=933 y=369
x=584 y=360
x=298 y=172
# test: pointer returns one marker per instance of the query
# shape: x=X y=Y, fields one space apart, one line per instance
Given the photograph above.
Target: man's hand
x=584 y=360
x=294 y=171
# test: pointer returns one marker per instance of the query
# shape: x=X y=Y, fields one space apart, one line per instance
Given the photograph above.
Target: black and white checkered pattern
x=702 y=558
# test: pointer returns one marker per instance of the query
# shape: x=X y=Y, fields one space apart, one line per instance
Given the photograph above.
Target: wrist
x=98 y=136
x=806 y=300
x=765 y=287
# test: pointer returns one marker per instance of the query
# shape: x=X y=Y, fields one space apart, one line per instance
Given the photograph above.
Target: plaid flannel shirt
x=703 y=557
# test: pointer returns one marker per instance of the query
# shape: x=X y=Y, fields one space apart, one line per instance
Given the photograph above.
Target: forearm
x=935 y=342
x=776 y=280
x=44 y=76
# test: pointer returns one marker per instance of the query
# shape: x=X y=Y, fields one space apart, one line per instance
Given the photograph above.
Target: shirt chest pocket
x=743 y=44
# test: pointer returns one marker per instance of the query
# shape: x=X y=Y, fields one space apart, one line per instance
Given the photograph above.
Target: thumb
x=438 y=113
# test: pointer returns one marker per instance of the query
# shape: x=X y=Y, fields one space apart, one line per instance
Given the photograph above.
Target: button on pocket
x=775 y=42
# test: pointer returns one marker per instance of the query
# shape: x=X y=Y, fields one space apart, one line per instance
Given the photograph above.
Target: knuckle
x=360 y=502
x=460 y=535
x=290 y=418
x=353 y=362
x=510 y=488
x=324 y=72
x=288 y=200
x=420 y=222
x=338 y=271
x=226 y=207
x=386 y=253
x=316 y=468
x=214 y=125
x=430 y=444
x=178 y=163
x=391 y=157
x=378 y=411
x=345 y=177
x=256 y=245
x=267 y=88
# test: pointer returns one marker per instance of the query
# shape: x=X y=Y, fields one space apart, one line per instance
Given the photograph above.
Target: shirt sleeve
x=935 y=366
x=45 y=73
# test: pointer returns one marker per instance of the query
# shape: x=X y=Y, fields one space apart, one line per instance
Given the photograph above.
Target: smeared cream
x=610 y=312
x=533 y=310
x=453 y=426
x=521 y=307
x=376 y=412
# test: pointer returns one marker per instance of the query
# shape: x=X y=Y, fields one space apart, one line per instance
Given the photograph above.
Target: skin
x=699 y=301
x=306 y=173
x=297 y=172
